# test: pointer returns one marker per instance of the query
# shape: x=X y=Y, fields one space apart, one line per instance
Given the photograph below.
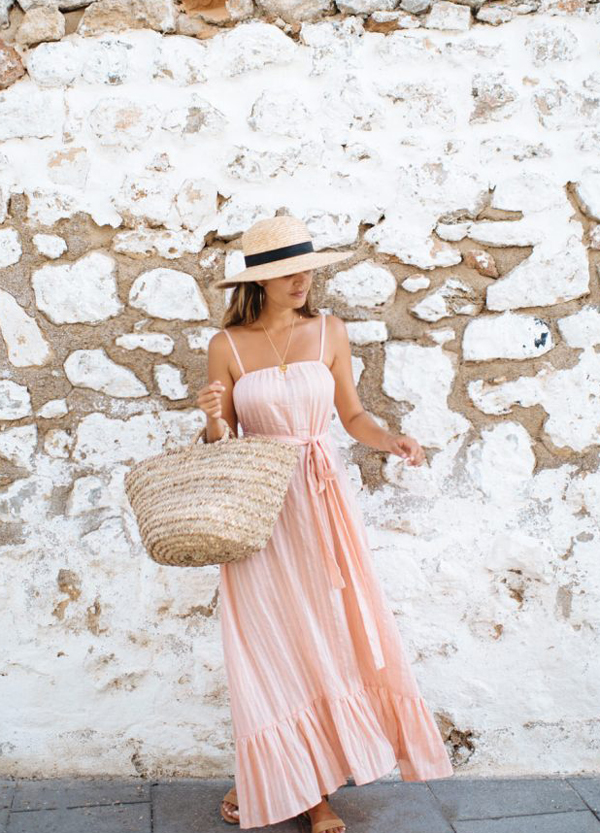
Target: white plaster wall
x=459 y=158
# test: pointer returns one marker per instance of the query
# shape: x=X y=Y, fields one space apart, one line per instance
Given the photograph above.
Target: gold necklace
x=282 y=365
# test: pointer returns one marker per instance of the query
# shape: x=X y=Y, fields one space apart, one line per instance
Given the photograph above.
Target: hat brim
x=280 y=268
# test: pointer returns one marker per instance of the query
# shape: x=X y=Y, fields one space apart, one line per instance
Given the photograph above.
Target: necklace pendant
x=283 y=367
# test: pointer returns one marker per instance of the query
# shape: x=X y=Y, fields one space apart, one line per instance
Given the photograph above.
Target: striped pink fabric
x=319 y=682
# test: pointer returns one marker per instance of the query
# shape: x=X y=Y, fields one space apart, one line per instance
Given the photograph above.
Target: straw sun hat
x=279 y=246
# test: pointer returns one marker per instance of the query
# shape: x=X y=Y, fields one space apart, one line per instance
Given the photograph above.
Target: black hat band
x=278 y=254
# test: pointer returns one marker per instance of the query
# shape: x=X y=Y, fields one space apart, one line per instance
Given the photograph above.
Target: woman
x=319 y=683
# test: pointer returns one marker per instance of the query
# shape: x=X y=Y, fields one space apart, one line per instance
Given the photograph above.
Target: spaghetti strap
x=322 y=336
x=235 y=352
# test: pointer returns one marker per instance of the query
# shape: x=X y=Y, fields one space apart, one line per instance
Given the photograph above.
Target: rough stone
x=564 y=106
x=106 y=62
x=422 y=103
x=482 y=262
x=147 y=200
x=122 y=122
x=574 y=428
x=15 y=400
x=168 y=294
x=495 y=13
x=367 y=332
x=506 y=336
x=46 y=207
x=121 y=15
x=10 y=247
x=11 y=66
x=423 y=376
x=296 y=11
x=150 y=342
x=329 y=230
x=5 y=6
x=251 y=46
x=182 y=60
x=502 y=462
x=582 y=328
x=415 y=6
x=365 y=7
x=503 y=233
x=453 y=297
x=415 y=283
x=555 y=272
x=53 y=408
x=587 y=189
x=169 y=382
x=494 y=97
x=30 y=113
x=527 y=192
x=195 y=119
x=169 y=244
x=365 y=285
x=82 y=291
x=452 y=231
x=237 y=215
x=446 y=15
x=196 y=202
x=279 y=111
x=333 y=43
x=550 y=43
x=19 y=444
x=41 y=23
x=412 y=245
x=239 y=9
x=58 y=443
x=69 y=167
x=54 y=64
x=388 y=21
x=94 y=369
x=26 y=346
x=88 y=494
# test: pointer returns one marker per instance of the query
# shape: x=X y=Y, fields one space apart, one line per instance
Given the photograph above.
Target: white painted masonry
x=455 y=148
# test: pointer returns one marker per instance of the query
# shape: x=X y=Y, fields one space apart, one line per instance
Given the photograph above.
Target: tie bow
x=319 y=466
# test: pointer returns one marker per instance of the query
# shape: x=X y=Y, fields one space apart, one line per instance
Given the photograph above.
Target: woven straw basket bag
x=208 y=503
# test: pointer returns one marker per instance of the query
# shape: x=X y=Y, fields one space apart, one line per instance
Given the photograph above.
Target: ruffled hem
x=285 y=768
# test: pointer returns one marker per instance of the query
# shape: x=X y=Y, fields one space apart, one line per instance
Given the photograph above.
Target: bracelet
x=226 y=434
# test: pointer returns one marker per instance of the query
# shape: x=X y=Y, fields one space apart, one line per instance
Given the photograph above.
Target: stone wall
x=455 y=148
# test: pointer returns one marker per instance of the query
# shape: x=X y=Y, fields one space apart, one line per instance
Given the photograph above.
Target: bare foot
x=231 y=810
x=323 y=811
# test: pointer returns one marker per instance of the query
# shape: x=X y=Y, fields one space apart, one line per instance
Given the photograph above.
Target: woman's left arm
x=355 y=419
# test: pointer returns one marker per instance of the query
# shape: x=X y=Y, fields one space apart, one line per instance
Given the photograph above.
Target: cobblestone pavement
x=185 y=805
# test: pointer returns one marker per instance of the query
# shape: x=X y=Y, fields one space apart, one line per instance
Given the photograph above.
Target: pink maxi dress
x=320 y=686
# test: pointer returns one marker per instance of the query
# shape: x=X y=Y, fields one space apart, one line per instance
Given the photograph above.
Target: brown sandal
x=324 y=824
x=230 y=797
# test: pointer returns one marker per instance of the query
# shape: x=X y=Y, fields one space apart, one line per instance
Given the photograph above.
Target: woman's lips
x=298 y=294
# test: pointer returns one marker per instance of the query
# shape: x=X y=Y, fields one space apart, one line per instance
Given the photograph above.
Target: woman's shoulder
x=334 y=321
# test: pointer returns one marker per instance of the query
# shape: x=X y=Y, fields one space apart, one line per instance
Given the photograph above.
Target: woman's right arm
x=216 y=397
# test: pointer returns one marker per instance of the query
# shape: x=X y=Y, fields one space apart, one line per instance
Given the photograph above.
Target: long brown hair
x=246 y=302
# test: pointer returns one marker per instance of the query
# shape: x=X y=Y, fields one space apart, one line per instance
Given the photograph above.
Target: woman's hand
x=209 y=399
x=408 y=447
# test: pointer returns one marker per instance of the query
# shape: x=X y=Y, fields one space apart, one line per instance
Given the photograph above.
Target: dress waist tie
x=320 y=471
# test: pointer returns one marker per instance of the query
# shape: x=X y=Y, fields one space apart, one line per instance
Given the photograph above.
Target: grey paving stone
x=7 y=789
x=193 y=807
x=57 y=793
x=487 y=798
x=3 y=819
x=388 y=808
x=580 y=821
x=117 y=818
x=589 y=790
